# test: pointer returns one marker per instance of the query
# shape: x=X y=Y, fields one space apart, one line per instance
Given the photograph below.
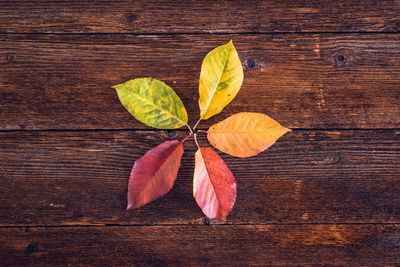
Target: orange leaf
x=214 y=186
x=245 y=134
x=154 y=174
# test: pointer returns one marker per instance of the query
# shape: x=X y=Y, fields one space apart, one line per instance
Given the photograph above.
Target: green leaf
x=220 y=79
x=152 y=102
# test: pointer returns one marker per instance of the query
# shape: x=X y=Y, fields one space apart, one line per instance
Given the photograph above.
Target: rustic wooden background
x=326 y=193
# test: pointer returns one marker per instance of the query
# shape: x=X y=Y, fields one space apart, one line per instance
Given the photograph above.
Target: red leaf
x=154 y=174
x=214 y=186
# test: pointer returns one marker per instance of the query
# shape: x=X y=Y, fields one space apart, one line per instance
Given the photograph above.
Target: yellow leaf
x=152 y=102
x=245 y=134
x=220 y=79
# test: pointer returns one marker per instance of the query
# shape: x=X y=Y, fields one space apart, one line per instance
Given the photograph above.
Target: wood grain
x=325 y=194
x=302 y=81
x=64 y=178
x=288 y=245
x=198 y=16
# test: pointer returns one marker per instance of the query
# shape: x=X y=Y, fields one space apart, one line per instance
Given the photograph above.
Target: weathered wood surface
x=283 y=245
x=317 y=197
x=303 y=81
x=61 y=178
x=199 y=16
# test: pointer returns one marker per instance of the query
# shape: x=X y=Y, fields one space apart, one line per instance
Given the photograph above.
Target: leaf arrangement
x=242 y=135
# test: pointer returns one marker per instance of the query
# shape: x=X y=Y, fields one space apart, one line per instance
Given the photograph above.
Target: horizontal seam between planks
x=199 y=224
x=185 y=130
x=200 y=33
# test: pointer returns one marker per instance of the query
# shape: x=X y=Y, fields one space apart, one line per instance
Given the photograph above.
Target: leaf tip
x=115 y=86
x=129 y=206
x=230 y=43
x=134 y=205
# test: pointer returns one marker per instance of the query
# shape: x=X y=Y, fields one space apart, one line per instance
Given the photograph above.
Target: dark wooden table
x=327 y=193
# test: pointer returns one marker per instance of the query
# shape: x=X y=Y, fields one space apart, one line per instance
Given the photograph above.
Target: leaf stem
x=194 y=128
x=190 y=129
x=186 y=138
x=202 y=131
x=195 y=140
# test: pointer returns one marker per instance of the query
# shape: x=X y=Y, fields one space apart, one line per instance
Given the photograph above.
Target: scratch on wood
x=305 y=10
x=3 y=172
x=55 y=205
x=317 y=49
x=331 y=236
x=305 y=216
x=320 y=100
x=298 y=186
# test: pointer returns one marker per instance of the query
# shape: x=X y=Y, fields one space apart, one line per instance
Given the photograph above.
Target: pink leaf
x=154 y=174
x=214 y=186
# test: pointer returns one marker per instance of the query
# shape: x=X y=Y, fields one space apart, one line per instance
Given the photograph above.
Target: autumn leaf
x=220 y=79
x=154 y=174
x=152 y=102
x=242 y=135
x=245 y=134
x=214 y=186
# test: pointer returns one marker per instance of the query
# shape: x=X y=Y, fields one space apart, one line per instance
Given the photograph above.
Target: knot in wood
x=170 y=133
x=129 y=17
x=206 y=221
x=8 y=57
x=251 y=64
x=341 y=58
x=31 y=248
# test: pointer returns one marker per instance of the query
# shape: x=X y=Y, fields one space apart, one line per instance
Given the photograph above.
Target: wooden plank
x=198 y=16
x=61 y=178
x=288 y=245
x=303 y=81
